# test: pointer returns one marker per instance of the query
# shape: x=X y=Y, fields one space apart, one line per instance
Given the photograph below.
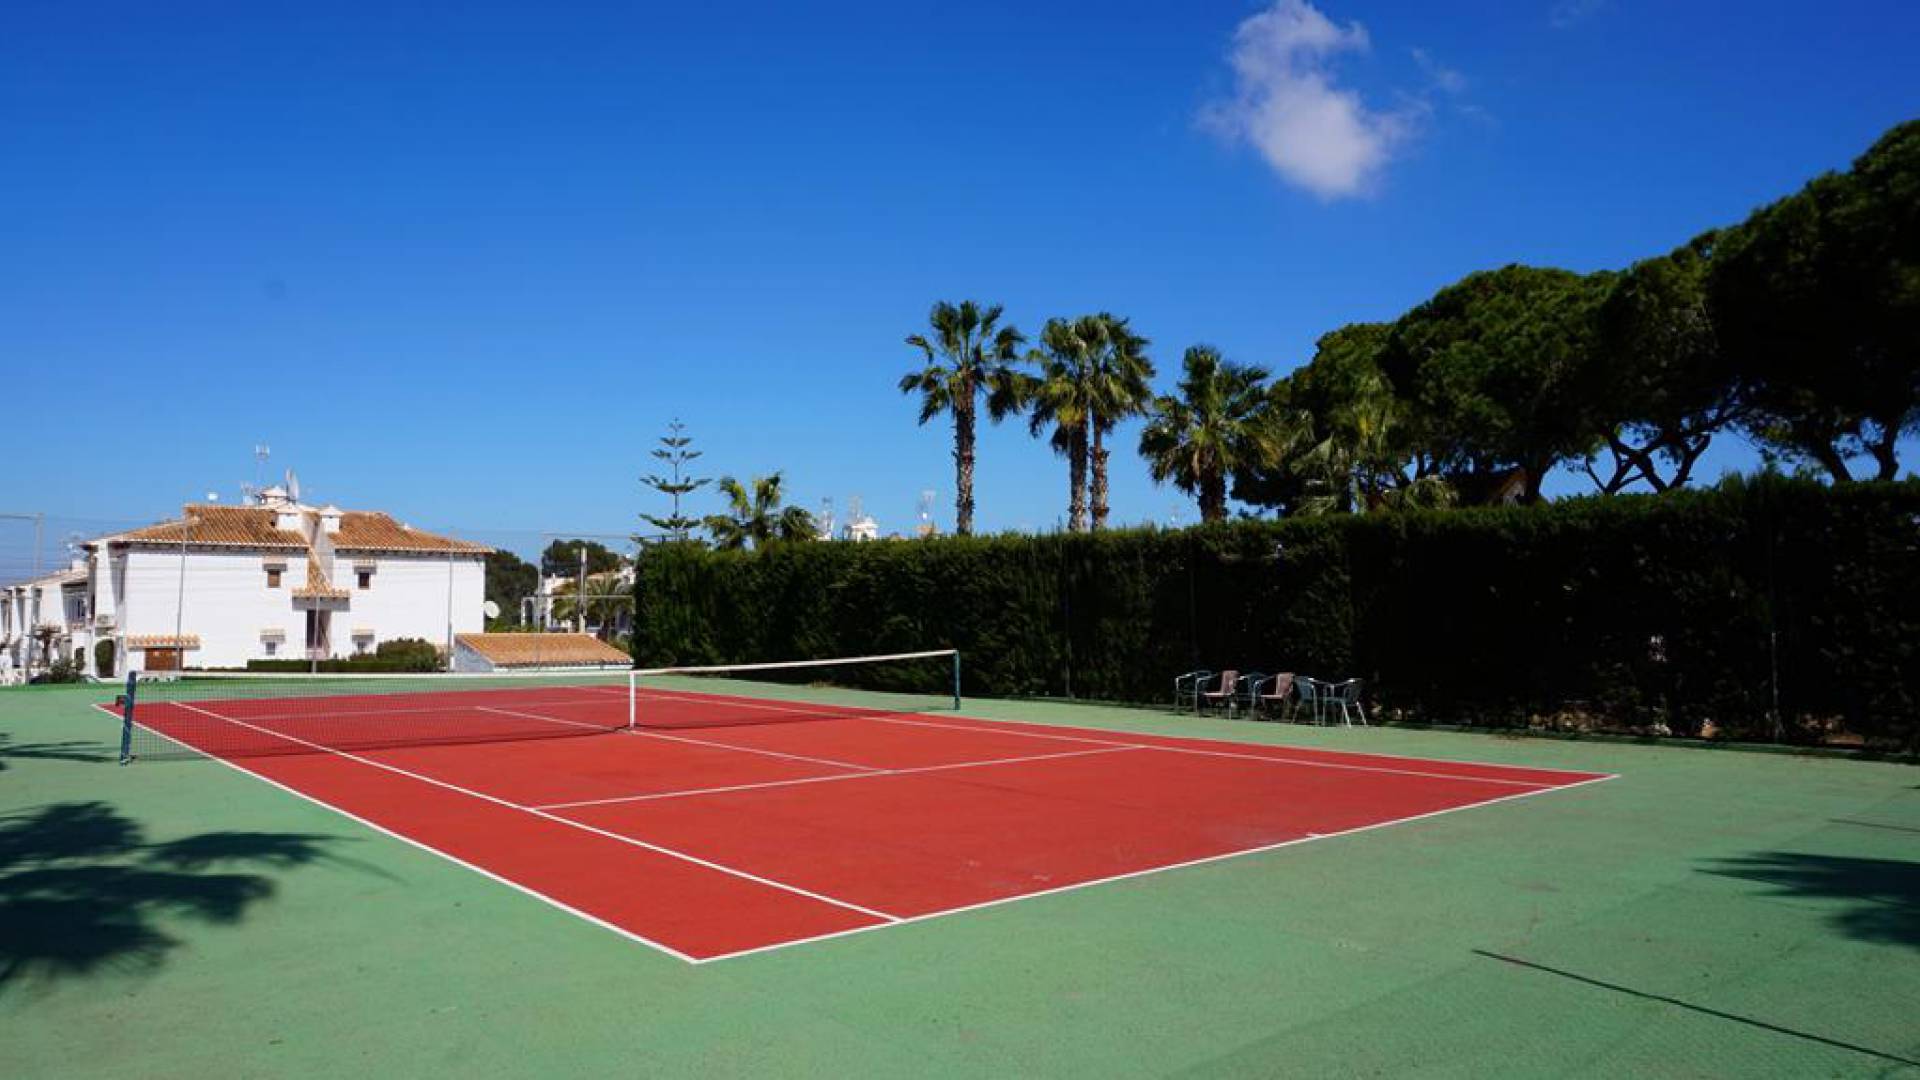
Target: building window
x=273 y=648
x=273 y=577
x=366 y=579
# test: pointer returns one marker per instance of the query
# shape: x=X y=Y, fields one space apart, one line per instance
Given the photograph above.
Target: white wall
x=228 y=603
x=407 y=598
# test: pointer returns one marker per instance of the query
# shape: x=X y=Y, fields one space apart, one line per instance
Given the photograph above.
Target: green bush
x=410 y=654
x=103 y=658
x=1688 y=612
x=402 y=655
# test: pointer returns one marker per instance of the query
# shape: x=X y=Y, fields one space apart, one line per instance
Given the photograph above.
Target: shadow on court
x=1694 y=1007
x=80 y=751
x=82 y=890
x=1881 y=896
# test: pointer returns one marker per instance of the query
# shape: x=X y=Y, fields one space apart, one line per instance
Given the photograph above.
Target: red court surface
x=717 y=842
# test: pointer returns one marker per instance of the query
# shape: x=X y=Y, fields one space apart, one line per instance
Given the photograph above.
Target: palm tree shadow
x=82 y=891
x=83 y=751
x=1882 y=895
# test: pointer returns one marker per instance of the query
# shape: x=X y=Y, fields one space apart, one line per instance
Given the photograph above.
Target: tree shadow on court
x=1881 y=896
x=84 y=892
x=81 y=751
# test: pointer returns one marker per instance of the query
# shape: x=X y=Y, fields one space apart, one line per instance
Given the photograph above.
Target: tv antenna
x=261 y=452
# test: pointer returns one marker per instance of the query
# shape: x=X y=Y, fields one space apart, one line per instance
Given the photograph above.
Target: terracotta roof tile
x=543 y=650
x=241 y=526
x=317 y=586
x=162 y=641
x=255 y=526
x=368 y=530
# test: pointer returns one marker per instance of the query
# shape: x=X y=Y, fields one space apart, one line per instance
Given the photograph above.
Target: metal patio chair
x=1344 y=698
x=1274 y=695
x=1225 y=692
x=1186 y=689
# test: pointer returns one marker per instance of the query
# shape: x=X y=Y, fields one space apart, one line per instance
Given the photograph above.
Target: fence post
x=126 y=719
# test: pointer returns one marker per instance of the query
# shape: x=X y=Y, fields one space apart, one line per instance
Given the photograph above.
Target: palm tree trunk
x=1884 y=452
x=1077 y=480
x=963 y=441
x=1213 y=497
x=1099 y=460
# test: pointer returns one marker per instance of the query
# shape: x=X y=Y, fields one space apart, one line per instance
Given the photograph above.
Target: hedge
x=398 y=655
x=1687 y=612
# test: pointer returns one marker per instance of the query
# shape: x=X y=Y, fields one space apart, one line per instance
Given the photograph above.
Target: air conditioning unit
x=103 y=621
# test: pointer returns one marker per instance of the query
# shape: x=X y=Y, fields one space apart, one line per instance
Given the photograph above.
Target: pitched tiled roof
x=543 y=650
x=255 y=527
x=317 y=586
x=368 y=530
x=237 y=526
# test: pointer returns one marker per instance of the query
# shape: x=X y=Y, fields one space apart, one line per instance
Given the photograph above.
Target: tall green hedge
x=1689 y=612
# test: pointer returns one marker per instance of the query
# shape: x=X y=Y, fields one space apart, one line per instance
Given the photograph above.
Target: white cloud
x=1444 y=78
x=1569 y=12
x=1288 y=106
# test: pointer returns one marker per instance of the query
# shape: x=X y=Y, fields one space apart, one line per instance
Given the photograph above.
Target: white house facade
x=41 y=619
x=275 y=579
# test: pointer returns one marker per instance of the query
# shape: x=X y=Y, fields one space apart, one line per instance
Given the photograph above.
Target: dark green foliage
x=1818 y=296
x=1624 y=613
x=677 y=453
x=562 y=557
x=103 y=658
x=413 y=654
x=1494 y=366
x=510 y=579
x=66 y=669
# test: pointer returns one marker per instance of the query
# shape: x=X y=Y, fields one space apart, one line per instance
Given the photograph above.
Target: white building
x=609 y=600
x=41 y=619
x=276 y=579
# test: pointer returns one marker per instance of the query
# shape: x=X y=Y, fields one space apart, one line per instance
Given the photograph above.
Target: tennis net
x=234 y=715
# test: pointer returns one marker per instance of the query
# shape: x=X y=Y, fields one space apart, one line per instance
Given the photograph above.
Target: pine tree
x=674 y=451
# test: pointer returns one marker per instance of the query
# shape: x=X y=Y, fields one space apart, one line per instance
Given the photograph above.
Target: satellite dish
x=492 y=609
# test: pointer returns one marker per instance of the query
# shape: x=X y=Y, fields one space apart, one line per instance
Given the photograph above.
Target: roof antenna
x=261 y=452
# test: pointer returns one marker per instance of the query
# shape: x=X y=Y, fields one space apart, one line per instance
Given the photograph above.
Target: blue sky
x=464 y=262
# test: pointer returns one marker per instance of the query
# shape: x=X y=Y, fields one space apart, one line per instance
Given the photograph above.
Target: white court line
x=829 y=779
x=1269 y=758
x=405 y=839
x=544 y=719
x=496 y=800
x=888 y=920
x=1222 y=857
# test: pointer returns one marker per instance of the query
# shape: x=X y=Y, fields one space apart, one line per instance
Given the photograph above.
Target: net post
x=126 y=719
x=633 y=697
x=956 y=680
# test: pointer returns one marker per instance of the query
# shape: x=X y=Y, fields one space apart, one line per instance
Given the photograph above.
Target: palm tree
x=607 y=597
x=1093 y=374
x=1121 y=371
x=755 y=517
x=1217 y=424
x=1064 y=394
x=968 y=355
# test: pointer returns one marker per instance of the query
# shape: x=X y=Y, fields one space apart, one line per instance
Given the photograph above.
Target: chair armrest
x=1180 y=682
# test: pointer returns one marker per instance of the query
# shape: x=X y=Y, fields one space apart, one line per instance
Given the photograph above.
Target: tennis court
x=715 y=814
